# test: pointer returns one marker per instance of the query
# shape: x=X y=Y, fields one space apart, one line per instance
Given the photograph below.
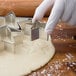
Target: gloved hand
x=64 y=10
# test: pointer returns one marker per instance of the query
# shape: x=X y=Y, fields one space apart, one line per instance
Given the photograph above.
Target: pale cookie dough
x=29 y=56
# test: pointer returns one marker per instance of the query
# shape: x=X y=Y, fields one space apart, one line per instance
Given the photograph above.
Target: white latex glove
x=64 y=10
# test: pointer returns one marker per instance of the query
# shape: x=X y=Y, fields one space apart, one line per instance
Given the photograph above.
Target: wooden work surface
x=20 y=7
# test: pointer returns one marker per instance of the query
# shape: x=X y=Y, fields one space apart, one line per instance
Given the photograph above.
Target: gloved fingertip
x=48 y=32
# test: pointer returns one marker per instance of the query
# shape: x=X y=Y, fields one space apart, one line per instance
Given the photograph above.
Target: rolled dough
x=29 y=56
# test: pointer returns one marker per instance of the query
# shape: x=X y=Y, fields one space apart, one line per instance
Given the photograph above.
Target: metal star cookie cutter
x=9 y=26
